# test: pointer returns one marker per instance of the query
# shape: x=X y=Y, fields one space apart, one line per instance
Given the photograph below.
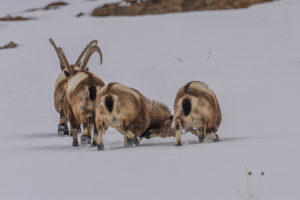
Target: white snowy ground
x=249 y=57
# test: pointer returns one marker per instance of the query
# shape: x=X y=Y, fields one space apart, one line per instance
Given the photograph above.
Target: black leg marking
x=201 y=138
x=85 y=140
x=94 y=144
x=100 y=147
x=75 y=143
x=179 y=144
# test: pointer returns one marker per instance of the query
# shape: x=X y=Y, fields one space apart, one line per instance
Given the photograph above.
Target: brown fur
x=132 y=113
x=79 y=107
x=79 y=103
x=205 y=115
x=59 y=94
x=61 y=82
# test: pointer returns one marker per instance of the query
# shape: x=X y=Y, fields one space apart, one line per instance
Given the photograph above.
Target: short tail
x=109 y=103
x=93 y=92
x=186 y=106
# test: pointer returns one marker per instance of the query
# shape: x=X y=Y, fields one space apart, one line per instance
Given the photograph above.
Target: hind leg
x=202 y=133
x=178 y=131
x=86 y=133
x=74 y=131
x=63 y=125
x=99 y=136
x=94 y=143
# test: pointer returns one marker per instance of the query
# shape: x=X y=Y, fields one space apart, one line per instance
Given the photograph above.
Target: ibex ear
x=67 y=74
x=62 y=67
x=87 y=69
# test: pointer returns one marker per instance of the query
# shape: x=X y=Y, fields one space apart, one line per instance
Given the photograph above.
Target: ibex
x=81 y=91
x=61 y=86
x=196 y=110
x=132 y=114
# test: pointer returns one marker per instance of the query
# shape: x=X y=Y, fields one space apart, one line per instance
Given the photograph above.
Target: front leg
x=213 y=137
x=129 y=137
x=128 y=142
x=100 y=132
x=178 y=131
x=63 y=125
x=74 y=134
x=86 y=135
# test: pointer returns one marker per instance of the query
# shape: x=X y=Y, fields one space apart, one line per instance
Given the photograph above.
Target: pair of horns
x=87 y=51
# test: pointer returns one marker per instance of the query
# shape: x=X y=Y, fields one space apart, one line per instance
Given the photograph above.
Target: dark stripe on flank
x=93 y=92
x=186 y=106
x=109 y=103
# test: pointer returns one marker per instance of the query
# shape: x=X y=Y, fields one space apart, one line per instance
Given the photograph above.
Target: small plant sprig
x=252 y=187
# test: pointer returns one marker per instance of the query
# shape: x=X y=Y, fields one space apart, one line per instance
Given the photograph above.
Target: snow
x=249 y=57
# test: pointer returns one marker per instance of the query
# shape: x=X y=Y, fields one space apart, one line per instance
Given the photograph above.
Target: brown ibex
x=61 y=86
x=196 y=110
x=132 y=114
x=81 y=91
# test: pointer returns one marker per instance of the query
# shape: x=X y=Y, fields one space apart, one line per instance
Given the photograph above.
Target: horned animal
x=60 y=88
x=132 y=114
x=81 y=91
x=196 y=110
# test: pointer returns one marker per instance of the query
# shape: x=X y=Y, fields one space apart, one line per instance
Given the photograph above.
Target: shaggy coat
x=80 y=96
x=196 y=110
x=79 y=103
x=132 y=114
x=61 y=86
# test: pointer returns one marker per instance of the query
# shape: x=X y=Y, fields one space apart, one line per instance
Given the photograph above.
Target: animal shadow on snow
x=115 y=145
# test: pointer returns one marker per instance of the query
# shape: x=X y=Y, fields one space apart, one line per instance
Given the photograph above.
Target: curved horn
x=53 y=44
x=56 y=50
x=64 y=60
x=84 y=51
x=89 y=54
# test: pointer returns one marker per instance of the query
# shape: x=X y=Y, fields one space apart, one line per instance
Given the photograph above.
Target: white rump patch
x=60 y=78
x=74 y=81
x=124 y=88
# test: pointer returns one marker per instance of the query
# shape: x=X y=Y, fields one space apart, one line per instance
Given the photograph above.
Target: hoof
x=62 y=129
x=75 y=144
x=201 y=139
x=129 y=142
x=217 y=139
x=212 y=138
x=100 y=147
x=94 y=144
x=135 y=141
x=85 y=140
x=178 y=144
x=61 y=133
x=67 y=131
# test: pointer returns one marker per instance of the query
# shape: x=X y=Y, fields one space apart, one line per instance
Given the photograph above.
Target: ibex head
x=68 y=69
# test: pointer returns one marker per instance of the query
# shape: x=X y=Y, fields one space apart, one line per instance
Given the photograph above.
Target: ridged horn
x=56 y=50
x=64 y=60
x=84 y=51
x=89 y=54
